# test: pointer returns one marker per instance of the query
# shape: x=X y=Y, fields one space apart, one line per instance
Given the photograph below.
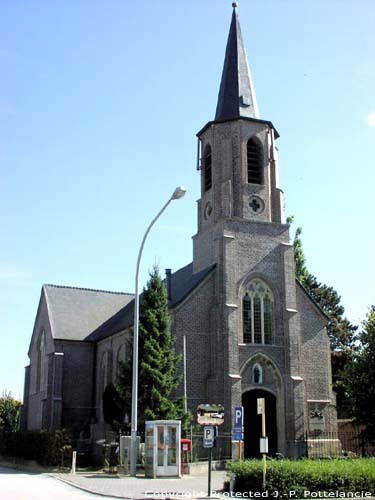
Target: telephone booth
x=163 y=442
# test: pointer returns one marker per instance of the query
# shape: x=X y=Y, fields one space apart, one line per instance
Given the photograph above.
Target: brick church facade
x=251 y=330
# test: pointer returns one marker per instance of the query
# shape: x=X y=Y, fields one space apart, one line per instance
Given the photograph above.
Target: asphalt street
x=15 y=485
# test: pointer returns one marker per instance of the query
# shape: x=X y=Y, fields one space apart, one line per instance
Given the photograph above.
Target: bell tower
x=238 y=157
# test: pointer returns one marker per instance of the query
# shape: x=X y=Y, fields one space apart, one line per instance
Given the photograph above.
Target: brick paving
x=187 y=487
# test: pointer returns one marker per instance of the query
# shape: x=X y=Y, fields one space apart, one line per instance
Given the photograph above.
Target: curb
x=87 y=490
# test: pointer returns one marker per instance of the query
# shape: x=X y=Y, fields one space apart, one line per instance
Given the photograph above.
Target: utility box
x=163 y=444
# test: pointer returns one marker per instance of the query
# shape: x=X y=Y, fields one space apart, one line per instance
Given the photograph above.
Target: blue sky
x=99 y=106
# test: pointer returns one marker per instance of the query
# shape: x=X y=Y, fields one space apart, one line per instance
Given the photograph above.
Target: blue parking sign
x=238 y=423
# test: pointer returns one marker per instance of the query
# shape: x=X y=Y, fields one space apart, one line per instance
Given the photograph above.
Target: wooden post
x=264 y=458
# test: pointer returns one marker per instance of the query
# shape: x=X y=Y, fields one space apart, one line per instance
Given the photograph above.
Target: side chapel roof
x=183 y=282
x=91 y=315
x=74 y=313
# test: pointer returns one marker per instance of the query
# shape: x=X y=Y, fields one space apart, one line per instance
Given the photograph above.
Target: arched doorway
x=253 y=422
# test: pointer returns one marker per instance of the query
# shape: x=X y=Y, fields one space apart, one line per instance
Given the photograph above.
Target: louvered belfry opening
x=207 y=169
x=254 y=162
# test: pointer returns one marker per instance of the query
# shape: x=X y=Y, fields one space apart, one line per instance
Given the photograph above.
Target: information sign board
x=238 y=423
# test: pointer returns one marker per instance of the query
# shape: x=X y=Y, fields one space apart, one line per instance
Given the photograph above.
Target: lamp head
x=179 y=192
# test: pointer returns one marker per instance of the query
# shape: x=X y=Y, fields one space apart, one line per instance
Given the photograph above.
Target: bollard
x=74 y=462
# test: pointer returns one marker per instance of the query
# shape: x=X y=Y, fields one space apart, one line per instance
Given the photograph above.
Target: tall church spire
x=237 y=94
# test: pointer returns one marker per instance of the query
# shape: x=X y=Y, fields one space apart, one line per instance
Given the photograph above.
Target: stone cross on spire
x=237 y=94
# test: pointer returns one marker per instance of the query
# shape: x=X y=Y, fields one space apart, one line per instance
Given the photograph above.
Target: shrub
x=286 y=476
x=48 y=447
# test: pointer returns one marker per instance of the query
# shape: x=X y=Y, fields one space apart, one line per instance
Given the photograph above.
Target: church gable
x=315 y=348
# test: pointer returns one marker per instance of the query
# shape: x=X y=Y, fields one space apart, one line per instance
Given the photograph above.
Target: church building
x=251 y=330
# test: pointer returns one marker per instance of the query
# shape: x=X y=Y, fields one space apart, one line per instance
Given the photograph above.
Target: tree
x=342 y=333
x=358 y=379
x=157 y=378
x=112 y=407
x=9 y=412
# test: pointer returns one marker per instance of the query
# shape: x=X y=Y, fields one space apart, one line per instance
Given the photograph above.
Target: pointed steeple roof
x=237 y=94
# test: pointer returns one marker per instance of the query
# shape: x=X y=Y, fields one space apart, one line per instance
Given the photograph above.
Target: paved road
x=16 y=485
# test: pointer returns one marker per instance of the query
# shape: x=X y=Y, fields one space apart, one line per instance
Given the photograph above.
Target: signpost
x=263 y=445
x=210 y=416
x=238 y=429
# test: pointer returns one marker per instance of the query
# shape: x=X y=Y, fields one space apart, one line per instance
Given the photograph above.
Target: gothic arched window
x=41 y=375
x=257 y=374
x=207 y=169
x=257 y=313
x=121 y=359
x=254 y=161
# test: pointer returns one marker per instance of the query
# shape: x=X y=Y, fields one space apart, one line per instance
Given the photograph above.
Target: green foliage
x=113 y=410
x=358 y=379
x=48 y=447
x=342 y=333
x=302 y=273
x=9 y=412
x=286 y=476
x=157 y=377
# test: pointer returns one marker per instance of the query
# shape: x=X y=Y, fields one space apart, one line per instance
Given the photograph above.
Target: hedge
x=48 y=447
x=333 y=478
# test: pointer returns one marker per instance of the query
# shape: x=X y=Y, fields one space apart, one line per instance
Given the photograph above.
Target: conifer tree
x=158 y=359
x=158 y=373
x=342 y=333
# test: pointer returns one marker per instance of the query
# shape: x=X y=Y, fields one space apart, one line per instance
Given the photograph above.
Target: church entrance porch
x=253 y=422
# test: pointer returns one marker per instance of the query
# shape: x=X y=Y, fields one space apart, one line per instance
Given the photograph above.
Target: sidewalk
x=187 y=487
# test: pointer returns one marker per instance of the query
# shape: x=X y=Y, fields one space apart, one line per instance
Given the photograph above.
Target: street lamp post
x=178 y=193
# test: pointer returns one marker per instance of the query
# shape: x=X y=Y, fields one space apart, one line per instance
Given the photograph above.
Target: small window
x=207 y=169
x=254 y=161
x=257 y=309
x=257 y=374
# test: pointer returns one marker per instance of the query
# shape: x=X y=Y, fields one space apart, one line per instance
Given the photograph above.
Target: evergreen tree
x=342 y=333
x=358 y=379
x=113 y=408
x=158 y=359
x=157 y=377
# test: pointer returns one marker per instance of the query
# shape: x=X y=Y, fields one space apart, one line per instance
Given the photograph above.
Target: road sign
x=263 y=445
x=210 y=415
x=208 y=436
x=260 y=405
x=238 y=424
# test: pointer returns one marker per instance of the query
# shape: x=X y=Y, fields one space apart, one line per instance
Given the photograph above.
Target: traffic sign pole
x=209 y=470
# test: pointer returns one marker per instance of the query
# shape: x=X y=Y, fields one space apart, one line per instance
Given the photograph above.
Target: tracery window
x=207 y=169
x=254 y=161
x=257 y=313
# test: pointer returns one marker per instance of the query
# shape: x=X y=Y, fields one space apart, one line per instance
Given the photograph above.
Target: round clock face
x=256 y=204
x=207 y=211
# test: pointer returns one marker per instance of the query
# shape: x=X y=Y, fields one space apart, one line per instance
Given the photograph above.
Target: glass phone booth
x=163 y=438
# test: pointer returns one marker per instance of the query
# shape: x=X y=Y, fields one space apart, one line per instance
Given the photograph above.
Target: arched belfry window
x=257 y=313
x=207 y=168
x=257 y=374
x=254 y=161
